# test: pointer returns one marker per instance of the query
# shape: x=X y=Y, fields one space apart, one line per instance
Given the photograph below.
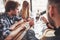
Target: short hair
x=53 y=1
x=11 y=5
x=56 y=3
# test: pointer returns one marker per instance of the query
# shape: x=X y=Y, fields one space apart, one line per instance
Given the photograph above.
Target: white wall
x=2 y=6
x=39 y=5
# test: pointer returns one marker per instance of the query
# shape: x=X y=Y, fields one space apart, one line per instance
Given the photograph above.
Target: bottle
x=37 y=15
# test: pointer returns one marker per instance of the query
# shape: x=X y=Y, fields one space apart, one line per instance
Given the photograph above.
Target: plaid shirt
x=5 y=24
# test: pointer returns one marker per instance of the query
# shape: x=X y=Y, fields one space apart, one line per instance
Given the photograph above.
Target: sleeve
x=31 y=35
x=0 y=29
x=18 y=18
x=5 y=28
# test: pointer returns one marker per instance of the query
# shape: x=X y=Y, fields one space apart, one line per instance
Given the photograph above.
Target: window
x=2 y=6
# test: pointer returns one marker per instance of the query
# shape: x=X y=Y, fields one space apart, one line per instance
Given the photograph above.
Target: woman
x=25 y=10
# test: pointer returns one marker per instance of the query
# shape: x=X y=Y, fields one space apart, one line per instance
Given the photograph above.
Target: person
x=54 y=19
x=9 y=27
x=25 y=10
x=24 y=13
x=7 y=21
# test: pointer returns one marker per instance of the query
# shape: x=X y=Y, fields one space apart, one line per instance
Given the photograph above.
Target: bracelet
x=47 y=23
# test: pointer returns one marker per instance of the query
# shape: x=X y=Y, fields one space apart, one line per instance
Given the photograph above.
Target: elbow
x=8 y=38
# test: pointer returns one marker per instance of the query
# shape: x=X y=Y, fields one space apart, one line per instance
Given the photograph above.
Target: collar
x=6 y=14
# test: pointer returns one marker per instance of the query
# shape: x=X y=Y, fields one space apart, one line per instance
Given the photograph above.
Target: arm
x=31 y=35
x=47 y=23
x=6 y=31
x=49 y=26
x=1 y=35
x=16 y=24
x=15 y=32
x=31 y=21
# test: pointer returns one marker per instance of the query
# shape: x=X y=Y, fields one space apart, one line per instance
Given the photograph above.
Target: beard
x=14 y=13
x=51 y=21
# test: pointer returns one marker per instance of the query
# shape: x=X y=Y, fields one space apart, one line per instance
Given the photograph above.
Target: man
x=54 y=19
x=8 y=22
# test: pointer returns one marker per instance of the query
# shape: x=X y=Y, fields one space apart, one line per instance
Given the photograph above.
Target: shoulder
x=2 y=18
x=3 y=15
x=49 y=33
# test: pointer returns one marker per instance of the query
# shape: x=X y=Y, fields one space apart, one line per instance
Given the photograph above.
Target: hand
x=31 y=22
x=47 y=23
x=24 y=20
x=44 y=19
x=23 y=26
x=28 y=19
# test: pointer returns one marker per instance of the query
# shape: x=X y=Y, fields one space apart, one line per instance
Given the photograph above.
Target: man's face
x=53 y=15
x=16 y=11
x=51 y=21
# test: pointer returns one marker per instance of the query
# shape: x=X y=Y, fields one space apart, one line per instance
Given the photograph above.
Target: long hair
x=25 y=10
